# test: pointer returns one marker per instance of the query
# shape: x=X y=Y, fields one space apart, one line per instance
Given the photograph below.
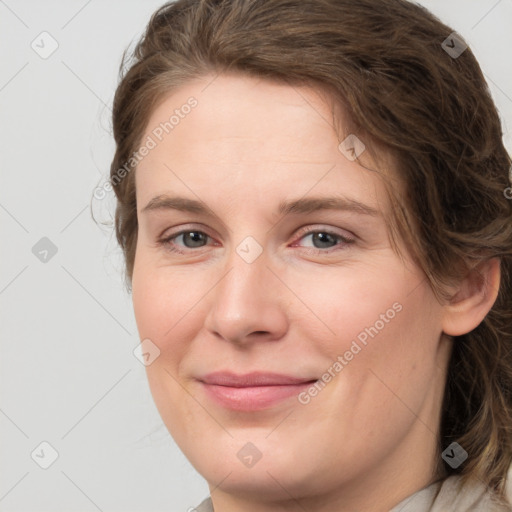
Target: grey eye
x=193 y=239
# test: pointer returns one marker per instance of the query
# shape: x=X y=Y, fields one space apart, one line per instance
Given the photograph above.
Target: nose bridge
x=244 y=301
x=247 y=264
x=244 y=285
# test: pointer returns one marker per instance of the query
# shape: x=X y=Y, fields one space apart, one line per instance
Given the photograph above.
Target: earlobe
x=473 y=299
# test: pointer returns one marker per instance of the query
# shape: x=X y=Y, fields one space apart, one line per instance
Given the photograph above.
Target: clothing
x=442 y=496
x=205 y=506
x=445 y=496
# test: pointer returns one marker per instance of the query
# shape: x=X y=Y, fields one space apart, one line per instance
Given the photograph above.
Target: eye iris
x=196 y=237
x=323 y=238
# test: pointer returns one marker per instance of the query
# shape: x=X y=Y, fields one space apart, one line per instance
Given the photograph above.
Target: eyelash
x=342 y=240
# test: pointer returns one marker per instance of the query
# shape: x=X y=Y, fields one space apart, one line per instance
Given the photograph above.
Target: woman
x=312 y=211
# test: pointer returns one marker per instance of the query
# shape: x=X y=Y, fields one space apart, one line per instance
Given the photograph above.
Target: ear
x=472 y=298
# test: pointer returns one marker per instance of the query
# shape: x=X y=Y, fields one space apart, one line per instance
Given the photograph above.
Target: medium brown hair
x=383 y=61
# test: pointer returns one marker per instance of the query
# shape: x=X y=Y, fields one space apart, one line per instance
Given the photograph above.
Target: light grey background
x=68 y=374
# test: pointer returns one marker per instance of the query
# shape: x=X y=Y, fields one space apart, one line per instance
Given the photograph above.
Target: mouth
x=254 y=391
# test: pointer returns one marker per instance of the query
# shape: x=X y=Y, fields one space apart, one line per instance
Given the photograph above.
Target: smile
x=252 y=392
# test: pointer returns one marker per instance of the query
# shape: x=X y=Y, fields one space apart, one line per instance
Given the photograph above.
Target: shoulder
x=440 y=496
x=449 y=494
x=472 y=497
x=205 y=506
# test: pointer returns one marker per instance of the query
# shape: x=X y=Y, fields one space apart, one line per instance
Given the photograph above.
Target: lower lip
x=254 y=398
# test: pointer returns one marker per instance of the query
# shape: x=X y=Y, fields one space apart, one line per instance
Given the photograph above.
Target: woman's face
x=276 y=272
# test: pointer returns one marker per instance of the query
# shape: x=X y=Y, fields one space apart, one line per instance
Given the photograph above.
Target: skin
x=248 y=145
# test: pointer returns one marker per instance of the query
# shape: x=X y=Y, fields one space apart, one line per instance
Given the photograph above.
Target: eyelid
x=321 y=228
x=165 y=239
x=184 y=229
x=302 y=232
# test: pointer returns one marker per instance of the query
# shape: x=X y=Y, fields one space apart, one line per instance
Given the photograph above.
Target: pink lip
x=253 y=391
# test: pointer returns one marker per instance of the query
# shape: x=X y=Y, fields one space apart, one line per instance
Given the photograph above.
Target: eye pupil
x=196 y=237
x=323 y=238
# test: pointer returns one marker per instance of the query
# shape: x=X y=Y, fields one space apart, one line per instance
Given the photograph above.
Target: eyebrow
x=298 y=206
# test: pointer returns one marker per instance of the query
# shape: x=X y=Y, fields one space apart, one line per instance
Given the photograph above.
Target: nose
x=248 y=303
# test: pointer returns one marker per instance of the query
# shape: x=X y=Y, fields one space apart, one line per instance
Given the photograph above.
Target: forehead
x=249 y=139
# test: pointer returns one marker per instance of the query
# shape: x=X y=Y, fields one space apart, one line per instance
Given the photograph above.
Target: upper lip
x=252 y=379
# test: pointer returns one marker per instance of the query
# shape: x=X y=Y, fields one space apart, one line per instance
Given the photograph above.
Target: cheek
x=170 y=307
x=165 y=314
x=383 y=323
x=391 y=357
x=352 y=303
x=388 y=364
x=157 y=307
x=163 y=301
